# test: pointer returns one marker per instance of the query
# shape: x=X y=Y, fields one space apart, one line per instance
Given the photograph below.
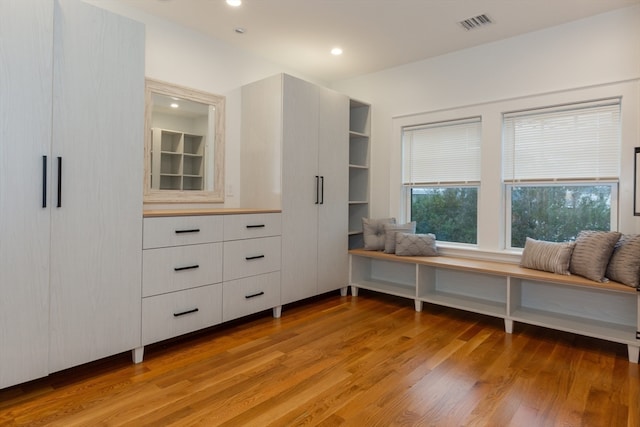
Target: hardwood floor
x=365 y=361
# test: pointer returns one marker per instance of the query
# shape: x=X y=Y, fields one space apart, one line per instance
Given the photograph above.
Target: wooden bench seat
x=609 y=311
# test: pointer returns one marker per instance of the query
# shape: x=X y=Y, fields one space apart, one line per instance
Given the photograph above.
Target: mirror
x=184 y=145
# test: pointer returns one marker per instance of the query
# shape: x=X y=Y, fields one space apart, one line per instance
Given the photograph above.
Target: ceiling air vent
x=475 y=22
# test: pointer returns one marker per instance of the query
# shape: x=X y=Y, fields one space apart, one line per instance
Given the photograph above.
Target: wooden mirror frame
x=214 y=195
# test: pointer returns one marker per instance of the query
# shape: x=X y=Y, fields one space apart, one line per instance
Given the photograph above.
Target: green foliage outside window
x=448 y=212
x=558 y=213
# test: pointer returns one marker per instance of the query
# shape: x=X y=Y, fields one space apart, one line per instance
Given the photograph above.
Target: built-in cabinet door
x=333 y=167
x=26 y=28
x=98 y=108
x=300 y=190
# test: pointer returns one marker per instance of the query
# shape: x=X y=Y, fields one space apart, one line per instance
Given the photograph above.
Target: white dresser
x=201 y=270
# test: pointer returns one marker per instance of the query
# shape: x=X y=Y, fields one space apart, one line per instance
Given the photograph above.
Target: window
x=560 y=169
x=441 y=176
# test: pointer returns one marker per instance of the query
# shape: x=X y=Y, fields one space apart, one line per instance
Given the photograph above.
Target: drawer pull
x=182 y=313
x=191 y=230
x=249 y=258
x=256 y=226
x=254 y=295
x=190 y=267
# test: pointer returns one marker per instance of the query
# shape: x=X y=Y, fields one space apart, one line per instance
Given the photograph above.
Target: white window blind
x=442 y=153
x=564 y=143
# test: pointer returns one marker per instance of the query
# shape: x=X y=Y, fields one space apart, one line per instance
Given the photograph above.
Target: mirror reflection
x=184 y=145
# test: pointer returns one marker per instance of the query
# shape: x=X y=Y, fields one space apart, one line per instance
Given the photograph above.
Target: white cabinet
x=181 y=275
x=70 y=214
x=25 y=137
x=201 y=270
x=295 y=157
x=252 y=261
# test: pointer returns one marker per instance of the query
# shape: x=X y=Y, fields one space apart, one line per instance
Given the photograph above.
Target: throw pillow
x=624 y=266
x=390 y=231
x=592 y=253
x=373 y=232
x=416 y=244
x=547 y=256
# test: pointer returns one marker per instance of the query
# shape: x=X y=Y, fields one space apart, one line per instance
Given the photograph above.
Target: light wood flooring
x=354 y=361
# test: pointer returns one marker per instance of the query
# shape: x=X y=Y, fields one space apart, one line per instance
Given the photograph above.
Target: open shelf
x=177 y=160
x=359 y=146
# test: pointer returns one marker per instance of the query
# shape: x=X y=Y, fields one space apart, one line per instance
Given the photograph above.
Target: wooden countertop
x=152 y=213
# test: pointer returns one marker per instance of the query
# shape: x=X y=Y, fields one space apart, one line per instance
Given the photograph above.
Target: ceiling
x=374 y=34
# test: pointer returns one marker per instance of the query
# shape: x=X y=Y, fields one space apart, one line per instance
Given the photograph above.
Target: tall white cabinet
x=295 y=157
x=71 y=132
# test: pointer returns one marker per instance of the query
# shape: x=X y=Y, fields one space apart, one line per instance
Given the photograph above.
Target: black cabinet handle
x=256 y=226
x=322 y=190
x=182 y=313
x=59 y=182
x=317 y=189
x=191 y=230
x=254 y=295
x=191 y=267
x=249 y=258
x=44 y=181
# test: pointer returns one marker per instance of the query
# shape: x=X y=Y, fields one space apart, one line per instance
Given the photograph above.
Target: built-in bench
x=609 y=311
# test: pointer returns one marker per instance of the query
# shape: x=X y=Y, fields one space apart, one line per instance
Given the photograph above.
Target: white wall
x=601 y=49
x=590 y=52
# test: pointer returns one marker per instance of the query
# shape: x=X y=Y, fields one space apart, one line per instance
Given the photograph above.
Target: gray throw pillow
x=624 y=265
x=390 y=231
x=547 y=256
x=416 y=244
x=373 y=232
x=592 y=253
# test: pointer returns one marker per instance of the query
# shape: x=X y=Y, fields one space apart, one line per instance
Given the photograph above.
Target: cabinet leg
x=634 y=352
x=277 y=312
x=418 y=304
x=354 y=291
x=137 y=354
x=508 y=326
x=343 y=291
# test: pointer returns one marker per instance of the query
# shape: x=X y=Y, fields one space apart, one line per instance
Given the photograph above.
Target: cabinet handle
x=249 y=258
x=254 y=295
x=44 y=181
x=59 y=205
x=182 y=313
x=191 y=267
x=322 y=190
x=191 y=230
x=317 y=189
x=256 y=226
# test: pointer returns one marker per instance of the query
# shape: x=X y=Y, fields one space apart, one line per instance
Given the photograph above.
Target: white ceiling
x=374 y=34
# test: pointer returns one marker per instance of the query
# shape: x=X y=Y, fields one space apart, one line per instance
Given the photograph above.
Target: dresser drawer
x=181 y=267
x=169 y=315
x=248 y=226
x=251 y=257
x=181 y=230
x=250 y=295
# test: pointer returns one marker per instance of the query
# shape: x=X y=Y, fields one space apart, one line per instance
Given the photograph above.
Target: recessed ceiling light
x=240 y=30
x=234 y=3
x=174 y=105
x=336 y=51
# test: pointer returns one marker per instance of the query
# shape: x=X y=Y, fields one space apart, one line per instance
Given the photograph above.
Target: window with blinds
x=442 y=153
x=576 y=142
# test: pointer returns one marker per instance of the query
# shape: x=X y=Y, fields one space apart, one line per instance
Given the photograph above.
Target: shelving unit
x=359 y=142
x=177 y=160
x=572 y=304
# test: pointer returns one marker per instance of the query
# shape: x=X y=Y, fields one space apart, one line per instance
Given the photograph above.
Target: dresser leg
x=634 y=352
x=354 y=291
x=277 y=312
x=343 y=291
x=137 y=354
